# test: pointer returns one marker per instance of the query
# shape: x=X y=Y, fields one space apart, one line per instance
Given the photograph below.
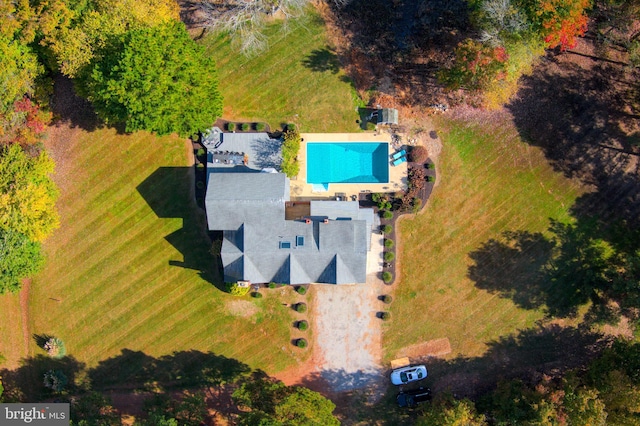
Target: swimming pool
x=353 y=162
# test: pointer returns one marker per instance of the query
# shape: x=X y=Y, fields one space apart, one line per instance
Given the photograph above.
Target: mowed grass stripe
x=12 y=347
x=111 y=269
x=276 y=86
x=487 y=185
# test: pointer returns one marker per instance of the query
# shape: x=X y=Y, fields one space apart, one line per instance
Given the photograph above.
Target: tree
x=559 y=22
x=272 y=402
x=95 y=410
x=55 y=380
x=27 y=193
x=475 y=66
x=448 y=411
x=245 y=19
x=19 y=258
x=156 y=79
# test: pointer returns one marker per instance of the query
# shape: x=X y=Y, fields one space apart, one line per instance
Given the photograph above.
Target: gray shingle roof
x=249 y=208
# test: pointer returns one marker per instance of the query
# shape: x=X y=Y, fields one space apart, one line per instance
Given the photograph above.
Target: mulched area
x=423 y=194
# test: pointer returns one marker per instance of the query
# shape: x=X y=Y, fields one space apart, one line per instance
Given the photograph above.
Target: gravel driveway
x=348 y=333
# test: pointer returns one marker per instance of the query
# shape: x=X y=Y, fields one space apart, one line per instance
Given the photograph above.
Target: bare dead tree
x=245 y=19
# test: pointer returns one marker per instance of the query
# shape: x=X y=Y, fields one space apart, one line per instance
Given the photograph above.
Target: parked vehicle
x=408 y=374
x=413 y=397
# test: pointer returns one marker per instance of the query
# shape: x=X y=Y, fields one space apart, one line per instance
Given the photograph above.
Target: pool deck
x=301 y=190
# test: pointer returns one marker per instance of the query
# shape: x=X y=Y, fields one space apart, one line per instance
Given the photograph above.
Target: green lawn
x=297 y=80
x=12 y=345
x=488 y=182
x=129 y=267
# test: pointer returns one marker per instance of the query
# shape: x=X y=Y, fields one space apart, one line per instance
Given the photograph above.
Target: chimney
x=307 y=220
x=325 y=221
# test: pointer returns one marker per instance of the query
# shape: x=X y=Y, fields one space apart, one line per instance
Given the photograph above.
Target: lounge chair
x=399 y=161
x=399 y=154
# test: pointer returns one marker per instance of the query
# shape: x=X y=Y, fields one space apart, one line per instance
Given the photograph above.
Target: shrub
x=260 y=127
x=387 y=214
x=199 y=184
x=272 y=285
x=290 y=127
x=55 y=347
x=387 y=229
x=301 y=290
x=55 y=380
x=236 y=290
x=301 y=343
x=303 y=325
x=419 y=154
x=386 y=299
x=430 y=178
x=389 y=256
x=371 y=126
x=387 y=277
x=244 y=127
x=385 y=316
x=416 y=205
x=200 y=166
x=301 y=307
x=200 y=152
x=290 y=149
x=417 y=177
x=430 y=166
x=231 y=127
x=256 y=294
x=388 y=243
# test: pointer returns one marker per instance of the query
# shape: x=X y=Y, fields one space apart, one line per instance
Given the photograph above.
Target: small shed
x=388 y=116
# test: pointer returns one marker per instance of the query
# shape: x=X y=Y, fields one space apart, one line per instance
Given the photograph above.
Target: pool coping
x=301 y=190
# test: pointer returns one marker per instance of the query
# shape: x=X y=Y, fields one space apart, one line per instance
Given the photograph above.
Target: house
x=260 y=246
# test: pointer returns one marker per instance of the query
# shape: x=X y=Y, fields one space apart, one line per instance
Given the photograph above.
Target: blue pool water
x=355 y=162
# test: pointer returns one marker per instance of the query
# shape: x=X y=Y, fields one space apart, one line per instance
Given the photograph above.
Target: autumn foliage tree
x=475 y=66
x=559 y=22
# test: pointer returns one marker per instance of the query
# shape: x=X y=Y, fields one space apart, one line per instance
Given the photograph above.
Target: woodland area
x=138 y=66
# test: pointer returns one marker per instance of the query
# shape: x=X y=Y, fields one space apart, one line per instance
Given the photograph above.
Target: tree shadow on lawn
x=69 y=108
x=550 y=350
x=560 y=273
x=322 y=60
x=585 y=118
x=168 y=191
x=178 y=370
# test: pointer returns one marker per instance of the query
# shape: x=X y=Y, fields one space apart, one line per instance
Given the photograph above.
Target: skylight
x=285 y=244
x=300 y=240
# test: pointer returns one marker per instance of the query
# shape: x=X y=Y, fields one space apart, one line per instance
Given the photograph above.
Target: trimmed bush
x=303 y=325
x=416 y=205
x=371 y=126
x=430 y=178
x=291 y=127
x=272 y=285
x=256 y=294
x=301 y=307
x=385 y=316
x=387 y=214
x=419 y=154
x=244 y=127
x=301 y=290
x=301 y=343
x=389 y=256
x=55 y=348
x=388 y=243
x=236 y=290
x=387 y=277
x=430 y=166
x=387 y=229
x=386 y=299
x=231 y=127
x=260 y=127
x=290 y=149
x=200 y=152
x=199 y=184
x=200 y=166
